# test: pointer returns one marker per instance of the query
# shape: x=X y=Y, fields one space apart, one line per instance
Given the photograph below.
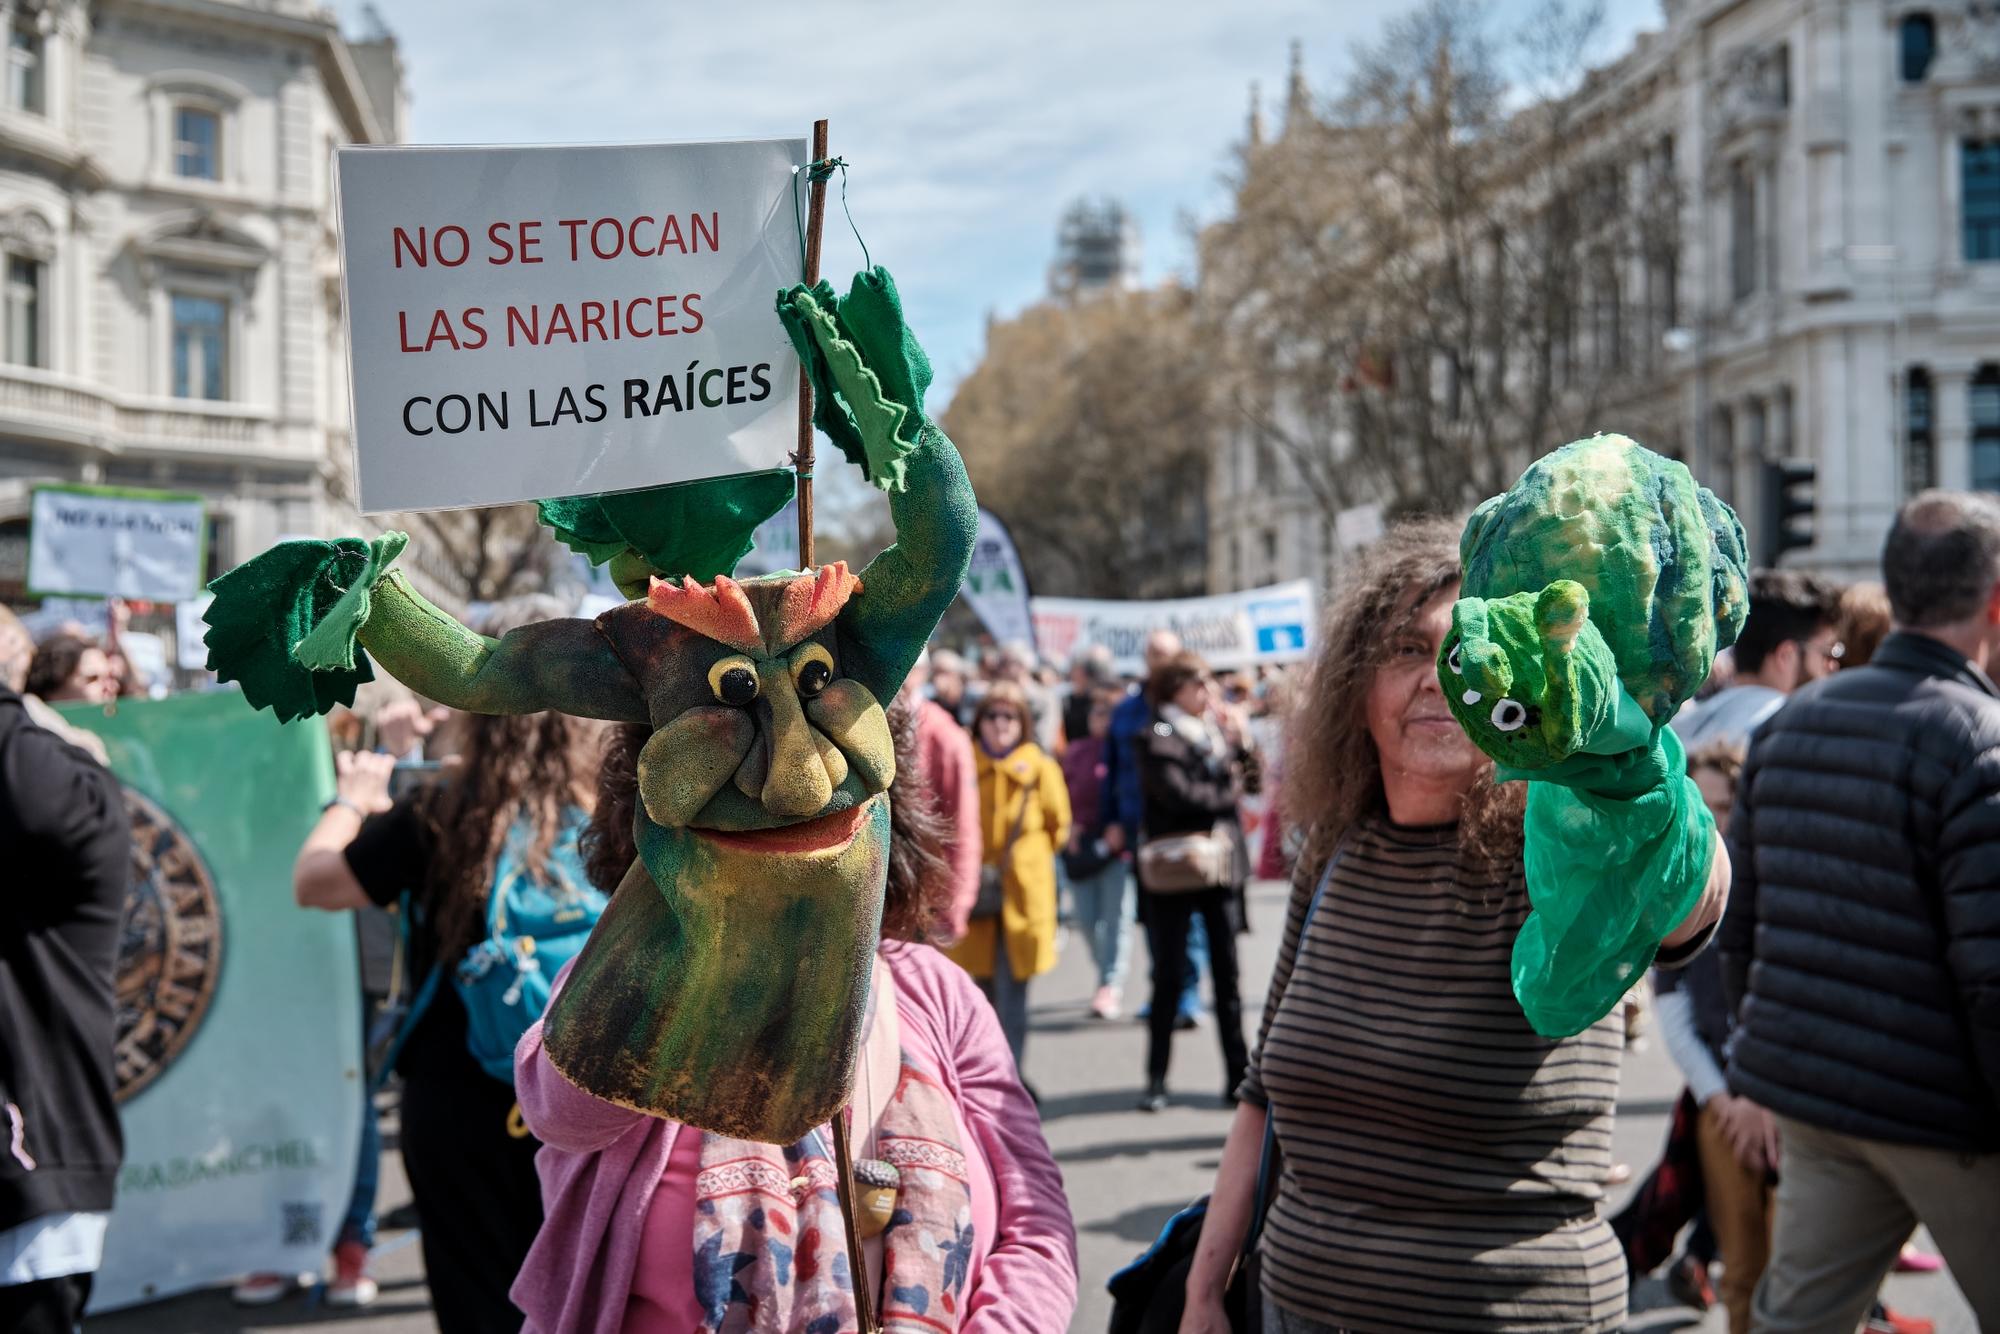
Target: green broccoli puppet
x=726 y=984
x=1596 y=593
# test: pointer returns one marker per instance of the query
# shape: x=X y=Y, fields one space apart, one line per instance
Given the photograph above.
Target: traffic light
x=1787 y=509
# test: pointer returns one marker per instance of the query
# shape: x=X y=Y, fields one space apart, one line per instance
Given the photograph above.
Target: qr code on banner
x=303 y=1224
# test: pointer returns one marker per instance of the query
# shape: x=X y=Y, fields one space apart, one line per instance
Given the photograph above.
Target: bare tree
x=492 y=552
x=1086 y=427
x=1429 y=280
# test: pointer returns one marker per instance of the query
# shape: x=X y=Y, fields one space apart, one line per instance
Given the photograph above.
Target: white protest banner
x=527 y=323
x=1357 y=527
x=996 y=587
x=102 y=541
x=1259 y=625
x=191 y=649
x=774 y=545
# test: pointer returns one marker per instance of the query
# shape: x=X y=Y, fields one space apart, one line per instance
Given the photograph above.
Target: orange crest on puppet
x=723 y=612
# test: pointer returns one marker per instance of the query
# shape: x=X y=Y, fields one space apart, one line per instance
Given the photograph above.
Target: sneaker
x=1105 y=1003
x=1882 y=1320
x=261 y=1289
x=1185 y=1022
x=1913 y=1261
x=1687 y=1282
x=1155 y=1099
x=350 y=1286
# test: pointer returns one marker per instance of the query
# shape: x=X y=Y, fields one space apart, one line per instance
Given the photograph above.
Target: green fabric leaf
x=270 y=603
x=830 y=415
x=880 y=421
x=872 y=315
x=330 y=645
x=859 y=352
x=699 y=528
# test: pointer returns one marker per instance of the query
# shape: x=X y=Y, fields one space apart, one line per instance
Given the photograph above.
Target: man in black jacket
x=66 y=844
x=1861 y=948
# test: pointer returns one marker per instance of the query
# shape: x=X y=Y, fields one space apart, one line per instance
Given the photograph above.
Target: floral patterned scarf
x=771 y=1251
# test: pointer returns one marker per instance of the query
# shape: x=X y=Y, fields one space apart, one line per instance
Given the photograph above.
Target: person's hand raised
x=361 y=779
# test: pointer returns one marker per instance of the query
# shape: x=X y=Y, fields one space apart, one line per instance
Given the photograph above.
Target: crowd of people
x=1832 y=999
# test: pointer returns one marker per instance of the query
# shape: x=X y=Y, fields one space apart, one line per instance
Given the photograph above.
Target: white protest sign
x=996 y=586
x=1260 y=625
x=190 y=631
x=526 y=323
x=774 y=545
x=110 y=542
x=1357 y=527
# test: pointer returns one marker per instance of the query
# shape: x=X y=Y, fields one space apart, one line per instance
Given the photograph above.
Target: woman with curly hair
x=527 y=777
x=1442 y=1163
x=657 y=1226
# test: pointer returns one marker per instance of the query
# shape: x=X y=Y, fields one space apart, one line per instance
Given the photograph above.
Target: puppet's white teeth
x=1470 y=697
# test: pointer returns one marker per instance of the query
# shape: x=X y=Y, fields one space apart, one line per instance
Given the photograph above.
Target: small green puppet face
x=756 y=724
x=1528 y=676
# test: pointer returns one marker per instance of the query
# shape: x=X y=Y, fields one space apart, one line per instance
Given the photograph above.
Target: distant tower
x=1097 y=246
x=1298 y=97
x=1255 y=131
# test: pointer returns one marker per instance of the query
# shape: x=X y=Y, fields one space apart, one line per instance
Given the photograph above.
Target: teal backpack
x=533 y=928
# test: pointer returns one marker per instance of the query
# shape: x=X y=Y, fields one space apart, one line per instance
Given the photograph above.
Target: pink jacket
x=599 y=1165
x=944 y=752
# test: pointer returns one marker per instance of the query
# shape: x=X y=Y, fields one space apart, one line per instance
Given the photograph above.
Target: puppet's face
x=757 y=725
x=1527 y=675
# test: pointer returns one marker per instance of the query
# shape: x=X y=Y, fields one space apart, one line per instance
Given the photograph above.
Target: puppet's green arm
x=565 y=665
x=861 y=344
x=906 y=590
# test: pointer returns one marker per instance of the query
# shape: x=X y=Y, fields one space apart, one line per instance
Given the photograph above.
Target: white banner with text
x=527 y=323
x=1258 y=625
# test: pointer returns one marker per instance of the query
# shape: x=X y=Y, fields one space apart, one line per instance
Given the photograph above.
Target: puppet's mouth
x=822 y=833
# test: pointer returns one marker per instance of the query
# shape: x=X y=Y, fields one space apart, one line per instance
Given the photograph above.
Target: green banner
x=239 y=1013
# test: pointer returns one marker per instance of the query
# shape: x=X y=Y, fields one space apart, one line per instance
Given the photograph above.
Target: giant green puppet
x=726 y=984
x=1597 y=591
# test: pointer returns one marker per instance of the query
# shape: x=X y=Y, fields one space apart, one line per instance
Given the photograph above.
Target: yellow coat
x=1028 y=902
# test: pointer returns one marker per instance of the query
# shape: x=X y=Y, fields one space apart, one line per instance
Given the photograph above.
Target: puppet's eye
x=1452 y=662
x=812 y=670
x=734 y=681
x=1510 y=715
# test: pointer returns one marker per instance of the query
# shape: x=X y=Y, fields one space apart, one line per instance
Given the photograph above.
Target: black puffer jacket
x=1862 y=942
x=66 y=846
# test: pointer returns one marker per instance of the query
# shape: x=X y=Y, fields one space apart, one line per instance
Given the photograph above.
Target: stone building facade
x=172 y=310
x=1835 y=295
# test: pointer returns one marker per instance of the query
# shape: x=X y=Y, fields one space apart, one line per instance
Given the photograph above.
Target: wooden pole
x=803 y=459
x=843 y=1120
x=857 y=1263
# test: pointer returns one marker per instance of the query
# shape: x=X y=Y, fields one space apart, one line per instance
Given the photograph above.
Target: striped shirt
x=1442 y=1163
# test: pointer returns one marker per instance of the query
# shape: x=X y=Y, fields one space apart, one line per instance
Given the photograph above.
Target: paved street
x=1126 y=1171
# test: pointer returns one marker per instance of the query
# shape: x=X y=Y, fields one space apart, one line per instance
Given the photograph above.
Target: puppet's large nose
x=804 y=767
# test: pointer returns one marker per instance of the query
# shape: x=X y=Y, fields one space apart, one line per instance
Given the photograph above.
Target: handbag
x=1149 y=1295
x=993 y=879
x=1184 y=863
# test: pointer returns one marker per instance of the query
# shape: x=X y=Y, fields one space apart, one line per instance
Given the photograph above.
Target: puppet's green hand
x=284 y=623
x=868 y=373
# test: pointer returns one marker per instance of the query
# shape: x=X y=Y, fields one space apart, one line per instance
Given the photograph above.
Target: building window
x=27 y=280
x=1986 y=429
x=197 y=144
x=1919 y=44
x=200 y=346
x=1742 y=231
x=1920 y=447
x=1980 y=194
x=24 y=67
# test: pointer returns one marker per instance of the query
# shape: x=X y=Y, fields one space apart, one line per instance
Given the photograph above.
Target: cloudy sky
x=967 y=128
